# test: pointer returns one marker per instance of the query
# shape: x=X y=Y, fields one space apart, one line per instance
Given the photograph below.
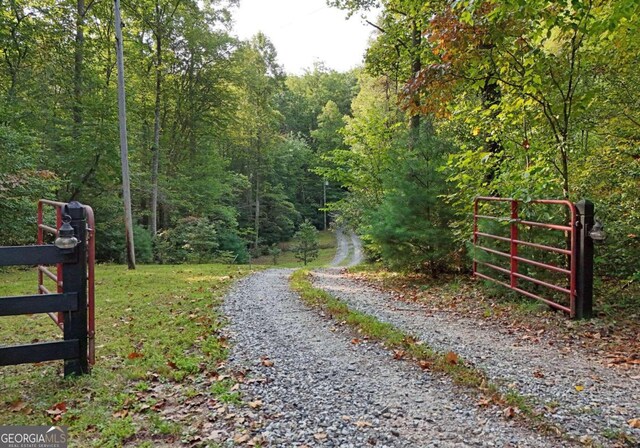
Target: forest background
x=229 y=155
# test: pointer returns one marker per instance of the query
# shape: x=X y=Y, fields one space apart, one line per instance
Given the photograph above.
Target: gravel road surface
x=349 y=251
x=319 y=388
x=586 y=398
x=342 y=250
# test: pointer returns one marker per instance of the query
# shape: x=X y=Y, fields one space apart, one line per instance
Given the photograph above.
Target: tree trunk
x=124 y=146
x=257 y=215
x=78 y=69
x=491 y=96
x=155 y=149
x=416 y=67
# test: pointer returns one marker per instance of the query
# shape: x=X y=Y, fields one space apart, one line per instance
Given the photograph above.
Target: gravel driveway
x=586 y=398
x=349 y=251
x=318 y=388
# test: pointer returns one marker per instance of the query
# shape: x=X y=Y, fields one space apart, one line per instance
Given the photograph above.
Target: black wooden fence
x=72 y=302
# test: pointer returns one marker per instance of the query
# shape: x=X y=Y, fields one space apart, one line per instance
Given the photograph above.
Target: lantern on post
x=66 y=235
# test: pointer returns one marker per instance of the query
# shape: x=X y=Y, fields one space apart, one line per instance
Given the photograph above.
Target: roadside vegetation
x=612 y=334
x=159 y=375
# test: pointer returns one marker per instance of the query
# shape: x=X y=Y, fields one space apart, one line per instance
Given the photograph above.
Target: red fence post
x=514 y=244
x=584 y=255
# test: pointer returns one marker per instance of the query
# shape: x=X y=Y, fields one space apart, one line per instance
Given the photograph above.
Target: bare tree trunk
x=257 y=216
x=124 y=148
x=416 y=67
x=155 y=149
x=77 y=69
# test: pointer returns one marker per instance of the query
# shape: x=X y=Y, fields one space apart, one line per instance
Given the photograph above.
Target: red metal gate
x=515 y=223
x=44 y=271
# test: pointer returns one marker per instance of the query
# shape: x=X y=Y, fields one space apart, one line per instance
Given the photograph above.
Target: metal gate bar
x=515 y=222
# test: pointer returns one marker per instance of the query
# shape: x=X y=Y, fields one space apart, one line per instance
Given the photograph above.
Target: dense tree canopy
x=515 y=99
x=524 y=99
x=220 y=139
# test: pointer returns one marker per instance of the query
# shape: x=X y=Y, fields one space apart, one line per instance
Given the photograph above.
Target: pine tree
x=306 y=243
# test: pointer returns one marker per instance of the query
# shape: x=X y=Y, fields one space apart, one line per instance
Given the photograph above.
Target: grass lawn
x=159 y=370
x=287 y=258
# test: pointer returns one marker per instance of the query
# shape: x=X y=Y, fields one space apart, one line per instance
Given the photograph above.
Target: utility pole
x=324 y=201
x=124 y=147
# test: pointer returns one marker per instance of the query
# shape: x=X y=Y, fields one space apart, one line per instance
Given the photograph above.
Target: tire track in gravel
x=324 y=390
x=342 y=250
x=357 y=255
x=349 y=247
x=609 y=399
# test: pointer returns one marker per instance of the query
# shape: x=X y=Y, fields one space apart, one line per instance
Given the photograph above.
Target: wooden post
x=74 y=280
x=584 y=276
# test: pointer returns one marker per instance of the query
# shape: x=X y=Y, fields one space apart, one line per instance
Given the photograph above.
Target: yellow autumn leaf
x=476 y=131
x=579 y=388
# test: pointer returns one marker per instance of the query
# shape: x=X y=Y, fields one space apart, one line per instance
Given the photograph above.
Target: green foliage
x=306 y=243
x=233 y=145
x=456 y=99
x=21 y=185
x=411 y=227
x=274 y=251
x=533 y=100
x=192 y=240
x=110 y=242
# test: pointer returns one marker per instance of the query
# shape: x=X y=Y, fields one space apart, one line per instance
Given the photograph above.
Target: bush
x=110 y=242
x=192 y=240
x=230 y=241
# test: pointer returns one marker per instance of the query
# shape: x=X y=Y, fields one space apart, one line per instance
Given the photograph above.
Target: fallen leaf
x=256 y=441
x=355 y=341
x=320 y=436
x=425 y=365
x=363 y=423
x=134 y=355
x=241 y=438
x=399 y=354
x=267 y=362
x=484 y=402
x=120 y=414
x=579 y=388
x=451 y=358
x=255 y=404
x=57 y=409
x=634 y=423
x=509 y=412
x=538 y=374
x=159 y=405
x=17 y=406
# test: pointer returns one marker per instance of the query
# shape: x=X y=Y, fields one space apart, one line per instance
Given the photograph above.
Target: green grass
x=157 y=344
x=409 y=347
x=288 y=260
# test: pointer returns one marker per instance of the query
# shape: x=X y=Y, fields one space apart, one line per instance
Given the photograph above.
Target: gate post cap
x=584 y=206
x=75 y=209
